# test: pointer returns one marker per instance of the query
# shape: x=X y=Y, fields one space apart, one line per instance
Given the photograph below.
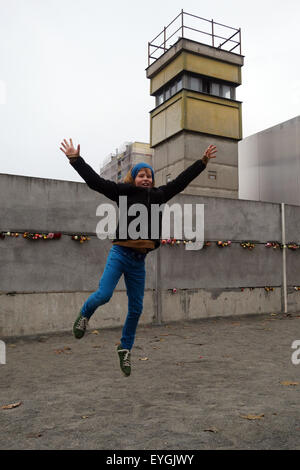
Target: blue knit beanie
x=138 y=167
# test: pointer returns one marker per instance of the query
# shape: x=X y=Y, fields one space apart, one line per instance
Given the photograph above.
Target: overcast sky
x=76 y=68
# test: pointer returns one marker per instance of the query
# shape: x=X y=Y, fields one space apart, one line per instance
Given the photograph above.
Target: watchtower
x=194 y=85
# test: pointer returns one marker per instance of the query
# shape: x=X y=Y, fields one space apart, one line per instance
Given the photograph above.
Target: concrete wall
x=43 y=283
x=269 y=164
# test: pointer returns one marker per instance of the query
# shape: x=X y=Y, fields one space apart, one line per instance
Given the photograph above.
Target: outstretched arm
x=109 y=188
x=183 y=179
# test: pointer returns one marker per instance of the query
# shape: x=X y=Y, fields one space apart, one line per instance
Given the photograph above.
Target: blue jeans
x=121 y=260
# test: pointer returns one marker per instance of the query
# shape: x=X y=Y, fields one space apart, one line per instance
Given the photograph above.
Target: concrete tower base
x=175 y=154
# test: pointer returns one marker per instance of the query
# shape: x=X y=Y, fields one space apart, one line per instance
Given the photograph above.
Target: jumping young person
x=127 y=256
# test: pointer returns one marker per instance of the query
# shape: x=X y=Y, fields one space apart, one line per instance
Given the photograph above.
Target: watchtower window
x=169 y=90
x=215 y=88
x=196 y=83
x=220 y=89
x=226 y=91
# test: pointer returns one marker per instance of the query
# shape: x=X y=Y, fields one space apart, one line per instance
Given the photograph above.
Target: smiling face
x=144 y=178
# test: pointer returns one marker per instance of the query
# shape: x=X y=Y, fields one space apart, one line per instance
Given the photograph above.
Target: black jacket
x=145 y=196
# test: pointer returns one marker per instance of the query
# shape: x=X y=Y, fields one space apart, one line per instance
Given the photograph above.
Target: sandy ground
x=212 y=384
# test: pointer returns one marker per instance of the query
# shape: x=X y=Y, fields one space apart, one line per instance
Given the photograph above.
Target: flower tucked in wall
x=54 y=236
x=174 y=241
x=80 y=238
x=248 y=245
x=8 y=234
x=273 y=245
x=293 y=246
x=169 y=241
x=43 y=236
x=269 y=288
x=222 y=243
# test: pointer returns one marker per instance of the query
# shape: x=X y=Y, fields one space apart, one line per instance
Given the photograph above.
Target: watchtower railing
x=183 y=24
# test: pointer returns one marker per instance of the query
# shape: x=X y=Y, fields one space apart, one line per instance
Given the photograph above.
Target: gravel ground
x=222 y=383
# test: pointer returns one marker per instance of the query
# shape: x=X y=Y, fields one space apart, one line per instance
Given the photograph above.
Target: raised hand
x=209 y=153
x=69 y=149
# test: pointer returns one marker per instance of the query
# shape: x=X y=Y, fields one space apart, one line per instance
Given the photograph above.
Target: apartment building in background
x=117 y=165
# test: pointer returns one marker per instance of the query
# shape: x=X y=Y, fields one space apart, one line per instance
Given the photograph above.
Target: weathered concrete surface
x=44 y=283
x=193 y=392
x=31 y=314
x=269 y=164
x=66 y=266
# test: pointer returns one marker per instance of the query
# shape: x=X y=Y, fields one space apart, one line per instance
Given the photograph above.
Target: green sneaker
x=124 y=356
x=79 y=326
